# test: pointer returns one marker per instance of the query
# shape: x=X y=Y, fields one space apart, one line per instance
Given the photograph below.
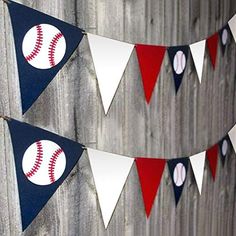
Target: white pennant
x=232 y=136
x=198 y=163
x=110 y=58
x=110 y=172
x=232 y=25
x=198 y=51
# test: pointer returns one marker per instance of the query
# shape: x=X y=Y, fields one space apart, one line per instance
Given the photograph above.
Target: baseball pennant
x=150 y=59
x=178 y=57
x=43 y=160
x=43 y=45
x=224 y=35
x=212 y=44
x=212 y=156
x=110 y=58
x=224 y=146
x=178 y=169
x=198 y=162
x=232 y=136
x=110 y=172
x=198 y=51
x=232 y=25
x=150 y=171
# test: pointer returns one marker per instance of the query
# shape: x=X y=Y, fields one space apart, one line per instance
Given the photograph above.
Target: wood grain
x=171 y=126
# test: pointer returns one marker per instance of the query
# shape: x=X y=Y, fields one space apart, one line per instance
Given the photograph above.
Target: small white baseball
x=179 y=62
x=224 y=36
x=44 y=162
x=44 y=46
x=224 y=147
x=179 y=174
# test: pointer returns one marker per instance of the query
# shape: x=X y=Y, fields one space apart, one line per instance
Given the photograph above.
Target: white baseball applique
x=224 y=37
x=44 y=162
x=179 y=62
x=179 y=174
x=44 y=46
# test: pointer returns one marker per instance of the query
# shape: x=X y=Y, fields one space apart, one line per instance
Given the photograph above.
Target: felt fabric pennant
x=43 y=160
x=212 y=156
x=212 y=44
x=110 y=58
x=225 y=36
x=150 y=59
x=232 y=136
x=110 y=172
x=224 y=146
x=232 y=25
x=150 y=171
x=178 y=57
x=198 y=51
x=178 y=169
x=43 y=45
x=198 y=162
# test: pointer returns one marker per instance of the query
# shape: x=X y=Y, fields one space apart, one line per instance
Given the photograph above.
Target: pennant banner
x=198 y=51
x=178 y=57
x=150 y=171
x=110 y=58
x=212 y=156
x=110 y=172
x=43 y=45
x=232 y=25
x=212 y=44
x=232 y=136
x=178 y=171
x=150 y=59
x=198 y=163
x=42 y=160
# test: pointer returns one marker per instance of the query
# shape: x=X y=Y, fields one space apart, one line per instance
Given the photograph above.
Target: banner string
x=6 y=118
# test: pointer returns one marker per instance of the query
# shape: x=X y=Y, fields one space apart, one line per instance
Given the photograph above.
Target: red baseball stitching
x=38 y=160
x=52 y=163
x=38 y=44
x=52 y=48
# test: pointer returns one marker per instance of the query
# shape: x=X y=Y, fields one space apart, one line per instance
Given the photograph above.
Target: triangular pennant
x=43 y=45
x=178 y=169
x=224 y=35
x=232 y=136
x=198 y=51
x=150 y=59
x=110 y=172
x=212 y=44
x=178 y=57
x=224 y=146
x=42 y=160
x=198 y=163
x=150 y=171
x=110 y=58
x=232 y=25
x=212 y=156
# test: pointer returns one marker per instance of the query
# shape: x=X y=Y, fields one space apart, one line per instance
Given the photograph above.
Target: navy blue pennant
x=43 y=160
x=225 y=147
x=43 y=45
x=225 y=37
x=178 y=57
x=178 y=169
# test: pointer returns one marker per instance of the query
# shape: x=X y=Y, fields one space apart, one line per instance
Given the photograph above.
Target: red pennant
x=150 y=59
x=212 y=44
x=150 y=172
x=212 y=156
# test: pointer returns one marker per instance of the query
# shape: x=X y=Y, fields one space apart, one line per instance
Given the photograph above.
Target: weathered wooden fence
x=171 y=126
